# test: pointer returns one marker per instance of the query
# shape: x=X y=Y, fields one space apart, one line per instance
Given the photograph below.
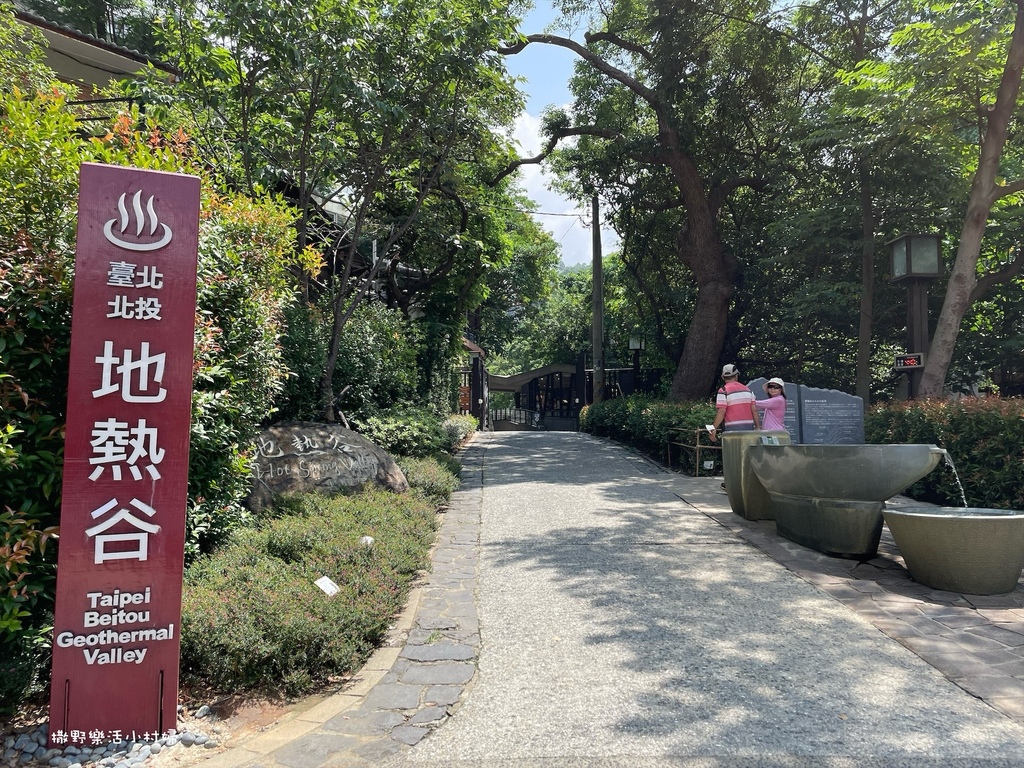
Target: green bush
x=252 y=618
x=39 y=158
x=415 y=431
x=984 y=437
x=25 y=600
x=243 y=289
x=376 y=370
x=643 y=422
x=437 y=477
x=407 y=431
x=457 y=429
x=377 y=361
x=304 y=348
x=19 y=675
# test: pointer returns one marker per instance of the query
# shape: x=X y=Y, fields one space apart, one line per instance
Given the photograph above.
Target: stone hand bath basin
x=960 y=549
x=830 y=497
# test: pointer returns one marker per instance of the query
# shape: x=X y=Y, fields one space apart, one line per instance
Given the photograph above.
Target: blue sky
x=546 y=70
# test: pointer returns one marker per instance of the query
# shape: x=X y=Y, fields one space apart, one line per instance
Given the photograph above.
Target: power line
x=533 y=213
x=546 y=213
x=567 y=231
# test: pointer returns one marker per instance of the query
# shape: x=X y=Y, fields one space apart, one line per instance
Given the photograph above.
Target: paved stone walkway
x=630 y=618
x=977 y=641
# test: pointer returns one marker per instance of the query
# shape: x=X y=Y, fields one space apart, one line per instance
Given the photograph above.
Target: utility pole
x=597 y=327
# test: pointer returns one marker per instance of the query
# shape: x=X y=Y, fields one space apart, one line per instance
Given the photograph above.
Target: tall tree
x=847 y=33
x=676 y=110
x=361 y=110
x=955 y=78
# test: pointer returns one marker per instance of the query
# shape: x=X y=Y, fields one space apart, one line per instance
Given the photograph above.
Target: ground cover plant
x=436 y=477
x=252 y=617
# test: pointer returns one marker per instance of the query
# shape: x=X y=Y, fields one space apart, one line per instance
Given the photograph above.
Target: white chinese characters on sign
x=111 y=440
x=140 y=538
x=123 y=275
x=120 y=450
x=135 y=373
x=97 y=737
x=134 y=309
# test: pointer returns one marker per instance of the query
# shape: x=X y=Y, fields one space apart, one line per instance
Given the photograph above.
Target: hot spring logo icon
x=140 y=219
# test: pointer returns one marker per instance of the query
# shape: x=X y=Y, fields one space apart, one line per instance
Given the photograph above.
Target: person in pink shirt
x=734 y=405
x=774 y=407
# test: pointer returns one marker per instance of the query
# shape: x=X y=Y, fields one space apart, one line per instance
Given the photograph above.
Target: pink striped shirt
x=738 y=403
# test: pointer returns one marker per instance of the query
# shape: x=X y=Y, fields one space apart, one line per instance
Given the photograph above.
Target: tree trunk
x=714 y=271
x=697 y=370
x=962 y=279
x=984 y=193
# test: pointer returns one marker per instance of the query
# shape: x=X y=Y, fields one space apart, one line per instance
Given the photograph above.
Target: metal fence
x=522 y=416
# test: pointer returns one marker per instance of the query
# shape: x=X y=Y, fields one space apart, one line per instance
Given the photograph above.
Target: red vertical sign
x=122 y=527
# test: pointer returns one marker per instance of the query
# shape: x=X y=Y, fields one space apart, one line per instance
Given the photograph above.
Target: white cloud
x=570 y=226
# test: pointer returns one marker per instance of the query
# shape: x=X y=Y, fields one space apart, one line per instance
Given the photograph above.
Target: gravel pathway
x=621 y=626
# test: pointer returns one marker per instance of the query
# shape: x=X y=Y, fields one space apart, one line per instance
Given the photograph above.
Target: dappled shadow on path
x=683 y=635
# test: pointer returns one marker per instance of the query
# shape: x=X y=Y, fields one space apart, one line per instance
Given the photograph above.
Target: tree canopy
x=755 y=157
x=754 y=160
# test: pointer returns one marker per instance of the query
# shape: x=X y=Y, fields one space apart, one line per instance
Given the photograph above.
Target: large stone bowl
x=747 y=497
x=960 y=549
x=868 y=472
x=830 y=497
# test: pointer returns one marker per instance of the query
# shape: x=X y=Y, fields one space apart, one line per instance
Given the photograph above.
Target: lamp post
x=637 y=345
x=915 y=261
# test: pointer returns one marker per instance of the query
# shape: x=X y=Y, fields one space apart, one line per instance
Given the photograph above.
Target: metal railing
x=517 y=416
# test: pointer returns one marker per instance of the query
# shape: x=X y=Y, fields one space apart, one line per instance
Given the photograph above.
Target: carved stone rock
x=304 y=457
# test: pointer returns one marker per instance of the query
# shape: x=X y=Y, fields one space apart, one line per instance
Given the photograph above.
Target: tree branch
x=556 y=136
x=626 y=45
x=591 y=58
x=1009 y=189
x=718 y=195
x=1008 y=272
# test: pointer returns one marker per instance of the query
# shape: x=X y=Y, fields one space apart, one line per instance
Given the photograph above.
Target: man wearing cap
x=734 y=405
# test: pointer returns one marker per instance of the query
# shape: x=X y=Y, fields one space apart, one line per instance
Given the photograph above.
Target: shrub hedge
x=644 y=422
x=984 y=437
x=415 y=430
x=457 y=429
